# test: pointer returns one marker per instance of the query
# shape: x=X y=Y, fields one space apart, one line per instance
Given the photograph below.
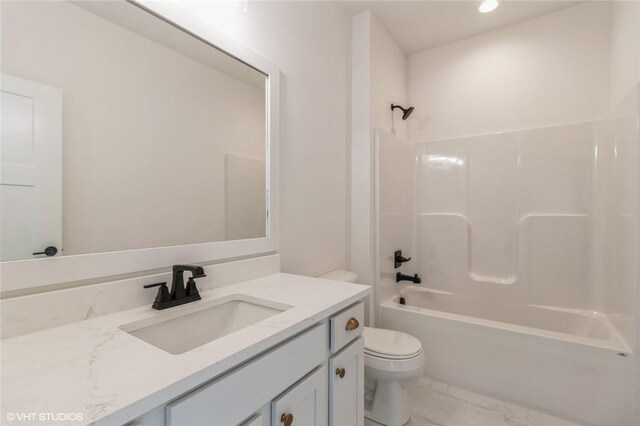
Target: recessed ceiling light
x=488 y=5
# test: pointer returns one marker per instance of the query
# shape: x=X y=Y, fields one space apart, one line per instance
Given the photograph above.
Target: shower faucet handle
x=398 y=259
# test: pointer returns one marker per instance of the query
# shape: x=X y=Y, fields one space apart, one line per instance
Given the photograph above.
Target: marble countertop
x=107 y=376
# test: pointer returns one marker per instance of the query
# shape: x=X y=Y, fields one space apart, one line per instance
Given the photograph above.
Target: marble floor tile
x=434 y=403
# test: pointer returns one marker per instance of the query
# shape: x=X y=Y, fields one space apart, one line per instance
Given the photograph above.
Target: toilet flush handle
x=352 y=324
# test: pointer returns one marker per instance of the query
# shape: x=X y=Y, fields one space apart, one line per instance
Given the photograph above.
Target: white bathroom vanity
x=303 y=365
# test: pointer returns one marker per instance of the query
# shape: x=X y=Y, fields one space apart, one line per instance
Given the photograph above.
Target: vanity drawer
x=257 y=382
x=347 y=326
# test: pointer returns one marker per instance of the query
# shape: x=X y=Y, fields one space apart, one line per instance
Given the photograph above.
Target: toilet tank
x=341 y=275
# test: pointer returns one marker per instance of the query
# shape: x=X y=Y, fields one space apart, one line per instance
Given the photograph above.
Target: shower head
x=406 y=112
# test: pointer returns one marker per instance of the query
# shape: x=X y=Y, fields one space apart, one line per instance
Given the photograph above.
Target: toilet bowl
x=391 y=360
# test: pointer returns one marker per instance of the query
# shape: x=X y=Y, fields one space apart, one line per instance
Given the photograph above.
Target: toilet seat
x=390 y=344
x=394 y=365
x=391 y=357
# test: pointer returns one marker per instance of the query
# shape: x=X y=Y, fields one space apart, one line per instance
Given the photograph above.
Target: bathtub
x=569 y=362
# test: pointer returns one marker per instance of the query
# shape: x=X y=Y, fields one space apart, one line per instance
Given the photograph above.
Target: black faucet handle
x=154 y=285
x=163 y=292
x=191 y=288
x=398 y=259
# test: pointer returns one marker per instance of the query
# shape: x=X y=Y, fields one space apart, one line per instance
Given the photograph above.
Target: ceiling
x=420 y=25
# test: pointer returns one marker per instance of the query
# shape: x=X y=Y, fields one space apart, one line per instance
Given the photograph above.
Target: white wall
x=379 y=78
x=388 y=80
x=310 y=43
x=128 y=158
x=534 y=73
x=362 y=220
x=625 y=50
x=623 y=283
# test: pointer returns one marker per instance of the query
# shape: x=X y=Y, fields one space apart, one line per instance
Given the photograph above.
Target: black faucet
x=402 y=277
x=180 y=294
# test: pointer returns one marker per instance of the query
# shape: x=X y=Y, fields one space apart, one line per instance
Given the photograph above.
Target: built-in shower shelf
x=493 y=280
x=526 y=245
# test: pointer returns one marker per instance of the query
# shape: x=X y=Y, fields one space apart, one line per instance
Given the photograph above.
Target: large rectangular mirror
x=121 y=131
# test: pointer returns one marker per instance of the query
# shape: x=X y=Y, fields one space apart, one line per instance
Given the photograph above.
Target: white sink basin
x=186 y=327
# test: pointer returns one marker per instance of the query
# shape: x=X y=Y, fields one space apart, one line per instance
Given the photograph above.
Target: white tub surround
x=94 y=368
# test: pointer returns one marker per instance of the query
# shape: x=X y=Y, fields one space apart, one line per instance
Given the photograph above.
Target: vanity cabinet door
x=346 y=386
x=304 y=404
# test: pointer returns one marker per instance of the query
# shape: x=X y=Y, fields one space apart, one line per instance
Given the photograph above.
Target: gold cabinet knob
x=340 y=372
x=287 y=419
x=352 y=324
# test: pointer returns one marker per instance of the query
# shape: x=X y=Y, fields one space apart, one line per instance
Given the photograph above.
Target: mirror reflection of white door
x=30 y=169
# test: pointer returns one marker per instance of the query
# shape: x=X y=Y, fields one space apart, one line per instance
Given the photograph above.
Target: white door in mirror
x=31 y=179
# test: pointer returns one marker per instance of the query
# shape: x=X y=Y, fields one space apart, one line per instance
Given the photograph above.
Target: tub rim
x=615 y=344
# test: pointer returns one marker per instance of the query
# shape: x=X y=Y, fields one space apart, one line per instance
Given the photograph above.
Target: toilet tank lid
x=341 y=275
x=390 y=342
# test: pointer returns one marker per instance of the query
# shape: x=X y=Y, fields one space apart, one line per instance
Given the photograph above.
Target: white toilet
x=391 y=359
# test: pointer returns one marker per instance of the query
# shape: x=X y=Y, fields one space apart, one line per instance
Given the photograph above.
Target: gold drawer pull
x=352 y=324
x=287 y=419
x=340 y=372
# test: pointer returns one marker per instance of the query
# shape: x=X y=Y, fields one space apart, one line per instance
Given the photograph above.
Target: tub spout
x=402 y=277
